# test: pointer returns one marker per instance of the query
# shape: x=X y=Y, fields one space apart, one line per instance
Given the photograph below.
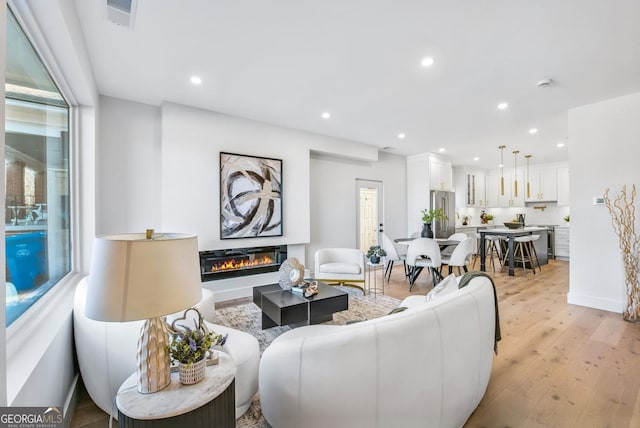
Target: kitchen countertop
x=505 y=230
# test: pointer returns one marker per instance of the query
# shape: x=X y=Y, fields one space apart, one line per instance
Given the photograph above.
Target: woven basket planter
x=192 y=373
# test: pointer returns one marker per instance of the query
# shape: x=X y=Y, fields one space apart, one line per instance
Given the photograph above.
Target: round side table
x=208 y=403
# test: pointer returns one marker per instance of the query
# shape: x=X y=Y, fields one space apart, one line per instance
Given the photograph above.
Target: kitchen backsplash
x=552 y=215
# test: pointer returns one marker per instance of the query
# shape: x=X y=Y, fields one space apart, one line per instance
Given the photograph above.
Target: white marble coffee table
x=182 y=405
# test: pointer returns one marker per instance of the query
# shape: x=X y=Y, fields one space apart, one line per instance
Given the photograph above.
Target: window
x=37 y=233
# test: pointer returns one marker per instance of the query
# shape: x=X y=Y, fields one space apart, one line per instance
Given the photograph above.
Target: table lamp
x=144 y=277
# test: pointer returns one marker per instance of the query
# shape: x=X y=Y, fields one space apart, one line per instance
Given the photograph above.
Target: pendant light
x=515 y=173
x=527 y=157
x=501 y=169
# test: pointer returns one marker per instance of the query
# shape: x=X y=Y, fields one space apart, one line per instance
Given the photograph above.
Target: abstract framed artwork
x=250 y=196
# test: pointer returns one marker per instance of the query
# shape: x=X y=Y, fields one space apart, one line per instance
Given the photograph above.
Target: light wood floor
x=558 y=365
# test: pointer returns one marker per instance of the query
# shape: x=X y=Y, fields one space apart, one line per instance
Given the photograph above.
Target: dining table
x=442 y=243
x=510 y=235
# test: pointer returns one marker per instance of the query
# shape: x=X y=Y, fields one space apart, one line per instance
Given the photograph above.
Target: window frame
x=29 y=337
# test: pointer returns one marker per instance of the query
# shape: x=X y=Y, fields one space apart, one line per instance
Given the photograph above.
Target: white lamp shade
x=134 y=278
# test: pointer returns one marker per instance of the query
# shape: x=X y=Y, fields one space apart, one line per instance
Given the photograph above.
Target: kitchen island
x=540 y=245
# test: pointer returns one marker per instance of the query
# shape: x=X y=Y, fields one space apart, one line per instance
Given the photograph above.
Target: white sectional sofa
x=428 y=366
x=107 y=353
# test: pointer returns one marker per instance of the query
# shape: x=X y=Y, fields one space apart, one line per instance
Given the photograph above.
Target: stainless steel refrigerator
x=446 y=201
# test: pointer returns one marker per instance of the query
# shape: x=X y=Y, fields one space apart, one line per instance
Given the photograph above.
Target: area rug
x=247 y=317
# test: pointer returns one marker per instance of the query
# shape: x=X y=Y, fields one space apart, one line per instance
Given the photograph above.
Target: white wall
x=128 y=179
x=159 y=167
x=333 y=202
x=192 y=140
x=603 y=153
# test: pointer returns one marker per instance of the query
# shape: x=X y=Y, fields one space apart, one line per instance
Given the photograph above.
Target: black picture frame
x=250 y=196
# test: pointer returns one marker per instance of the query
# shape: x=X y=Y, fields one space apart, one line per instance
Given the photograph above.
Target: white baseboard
x=595 y=302
x=71 y=401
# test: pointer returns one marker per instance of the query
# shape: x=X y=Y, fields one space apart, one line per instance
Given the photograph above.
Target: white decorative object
x=192 y=373
x=291 y=273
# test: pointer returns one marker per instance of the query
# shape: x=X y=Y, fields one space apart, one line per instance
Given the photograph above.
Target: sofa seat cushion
x=339 y=267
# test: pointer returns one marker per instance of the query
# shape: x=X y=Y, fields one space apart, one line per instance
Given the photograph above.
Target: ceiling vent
x=122 y=12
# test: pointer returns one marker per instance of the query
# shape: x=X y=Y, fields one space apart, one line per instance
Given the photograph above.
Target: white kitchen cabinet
x=511 y=197
x=492 y=189
x=469 y=187
x=562 y=242
x=543 y=184
x=563 y=186
x=441 y=174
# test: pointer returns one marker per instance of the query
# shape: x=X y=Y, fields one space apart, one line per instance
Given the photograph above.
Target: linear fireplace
x=221 y=264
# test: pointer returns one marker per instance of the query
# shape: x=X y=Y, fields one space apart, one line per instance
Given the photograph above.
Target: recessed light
x=476 y=158
x=196 y=80
x=533 y=131
x=441 y=149
x=401 y=136
x=427 y=62
x=326 y=115
x=501 y=166
x=560 y=144
x=503 y=106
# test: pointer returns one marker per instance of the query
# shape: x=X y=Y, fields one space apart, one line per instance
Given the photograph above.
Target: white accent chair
x=107 y=352
x=460 y=257
x=428 y=366
x=423 y=253
x=340 y=266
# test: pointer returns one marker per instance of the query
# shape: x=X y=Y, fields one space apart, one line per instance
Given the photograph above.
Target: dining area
x=521 y=249
x=431 y=254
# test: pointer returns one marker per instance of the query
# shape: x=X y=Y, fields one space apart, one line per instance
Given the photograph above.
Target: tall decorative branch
x=623 y=217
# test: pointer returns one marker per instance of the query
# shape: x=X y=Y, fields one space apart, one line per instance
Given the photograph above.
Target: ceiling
x=285 y=62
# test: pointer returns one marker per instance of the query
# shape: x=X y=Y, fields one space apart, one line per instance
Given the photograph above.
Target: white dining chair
x=393 y=255
x=423 y=253
x=460 y=257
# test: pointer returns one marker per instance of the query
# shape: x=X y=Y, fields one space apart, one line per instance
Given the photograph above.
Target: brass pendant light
x=528 y=180
x=501 y=169
x=515 y=173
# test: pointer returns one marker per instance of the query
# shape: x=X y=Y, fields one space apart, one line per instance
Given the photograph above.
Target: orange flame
x=240 y=264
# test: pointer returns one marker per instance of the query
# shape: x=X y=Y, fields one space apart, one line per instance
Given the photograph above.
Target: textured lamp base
x=153 y=369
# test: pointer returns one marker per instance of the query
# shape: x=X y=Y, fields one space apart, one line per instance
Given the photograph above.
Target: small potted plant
x=189 y=349
x=567 y=218
x=428 y=216
x=375 y=252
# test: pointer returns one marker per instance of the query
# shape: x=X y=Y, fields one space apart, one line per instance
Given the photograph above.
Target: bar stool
x=491 y=251
x=524 y=244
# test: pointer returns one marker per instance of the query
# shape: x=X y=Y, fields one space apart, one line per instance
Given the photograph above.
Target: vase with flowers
x=189 y=349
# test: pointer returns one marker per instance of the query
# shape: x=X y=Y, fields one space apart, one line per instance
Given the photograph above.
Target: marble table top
x=176 y=399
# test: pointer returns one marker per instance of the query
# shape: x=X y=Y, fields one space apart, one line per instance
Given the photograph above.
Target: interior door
x=369 y=213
